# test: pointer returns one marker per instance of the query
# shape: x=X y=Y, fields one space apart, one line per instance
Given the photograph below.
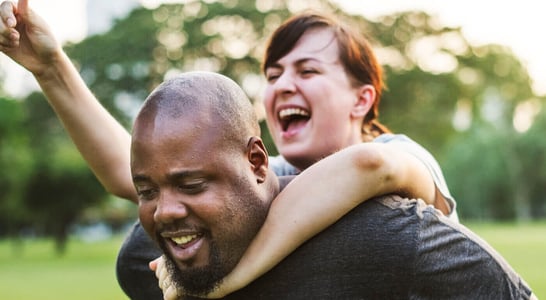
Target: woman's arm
x=102 y=141
x=322 y=194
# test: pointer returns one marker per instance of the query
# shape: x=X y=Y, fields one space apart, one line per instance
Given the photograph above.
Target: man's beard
x=243 y=218
x=197 y=280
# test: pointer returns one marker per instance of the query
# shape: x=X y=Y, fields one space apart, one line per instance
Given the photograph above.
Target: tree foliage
x=432 y=71
x=457 y=99
x=15 y=163
x=59 y=185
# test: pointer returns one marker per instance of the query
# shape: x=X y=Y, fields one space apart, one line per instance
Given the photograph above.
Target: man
x=204 y=187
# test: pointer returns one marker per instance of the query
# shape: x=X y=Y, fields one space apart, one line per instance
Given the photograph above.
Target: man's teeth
x=292 y=111
x=183 y=239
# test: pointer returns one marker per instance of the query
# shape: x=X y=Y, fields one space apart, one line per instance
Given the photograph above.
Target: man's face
x=198 y=198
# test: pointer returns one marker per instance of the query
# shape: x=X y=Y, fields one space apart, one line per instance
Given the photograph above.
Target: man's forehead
x=175 y=155
x=196 y=135
x=168 y=120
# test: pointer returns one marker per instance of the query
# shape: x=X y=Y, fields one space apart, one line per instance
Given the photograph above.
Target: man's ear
x=258 y=158
x=365 y=99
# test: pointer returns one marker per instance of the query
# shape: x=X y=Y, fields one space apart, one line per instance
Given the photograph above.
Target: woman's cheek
x=268 y=99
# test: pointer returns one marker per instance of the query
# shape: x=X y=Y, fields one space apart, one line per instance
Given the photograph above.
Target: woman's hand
x=172 y=292
x=26 y=38
x=169 y=289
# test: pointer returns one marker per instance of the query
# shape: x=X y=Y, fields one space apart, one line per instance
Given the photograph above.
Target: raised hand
x=26 y=38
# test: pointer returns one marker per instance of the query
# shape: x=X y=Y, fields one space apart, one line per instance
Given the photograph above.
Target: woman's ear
x=258 y=158
x=365 y=99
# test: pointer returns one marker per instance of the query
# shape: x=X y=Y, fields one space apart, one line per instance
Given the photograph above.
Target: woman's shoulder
x=392 y=137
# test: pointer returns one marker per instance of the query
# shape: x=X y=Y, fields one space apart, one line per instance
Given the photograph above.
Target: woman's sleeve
x=406 y=144
x=281 y=167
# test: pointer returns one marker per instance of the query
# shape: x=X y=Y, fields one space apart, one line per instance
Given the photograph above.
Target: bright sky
x=517 y=24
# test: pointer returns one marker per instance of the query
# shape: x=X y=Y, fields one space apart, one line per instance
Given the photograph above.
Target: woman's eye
x=273 y=73
x=272 y=77
x=308 y=71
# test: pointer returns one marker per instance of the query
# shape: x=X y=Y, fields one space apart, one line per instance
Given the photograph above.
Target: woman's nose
x=285 y=84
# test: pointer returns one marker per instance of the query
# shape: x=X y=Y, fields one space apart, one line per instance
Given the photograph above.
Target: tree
x=481 y=174
x=434 y=74
x=456 y=99
x=432 y=70
x=15 y=163
x=530 y=155
x=60 y=185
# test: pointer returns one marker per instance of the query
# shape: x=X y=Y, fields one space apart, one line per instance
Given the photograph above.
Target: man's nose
x=170 y=207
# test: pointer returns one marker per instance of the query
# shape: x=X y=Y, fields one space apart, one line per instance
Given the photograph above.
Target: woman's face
x=310 y=102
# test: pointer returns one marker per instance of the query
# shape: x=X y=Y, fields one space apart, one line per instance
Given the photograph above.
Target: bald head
x=214 y=97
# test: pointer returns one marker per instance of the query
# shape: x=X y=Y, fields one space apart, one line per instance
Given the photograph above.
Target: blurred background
x=466 y=79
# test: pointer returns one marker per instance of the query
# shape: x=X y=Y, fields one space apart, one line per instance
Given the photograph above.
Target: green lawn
x=33 y=271
x=87 y=271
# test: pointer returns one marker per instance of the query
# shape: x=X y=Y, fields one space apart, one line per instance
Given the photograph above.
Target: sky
x=516 y=24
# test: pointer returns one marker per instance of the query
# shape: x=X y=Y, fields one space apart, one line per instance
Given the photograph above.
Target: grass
x=87 y=271
x=33 y=271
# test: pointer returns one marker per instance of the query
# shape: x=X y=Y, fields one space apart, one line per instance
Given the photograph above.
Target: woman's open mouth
x=293 y=118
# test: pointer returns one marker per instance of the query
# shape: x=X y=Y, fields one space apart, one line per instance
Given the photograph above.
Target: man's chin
x=196 y=280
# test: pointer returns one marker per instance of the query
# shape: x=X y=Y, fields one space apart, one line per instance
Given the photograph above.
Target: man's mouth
x=293 y=118
x=185 y=247
x=184 y=241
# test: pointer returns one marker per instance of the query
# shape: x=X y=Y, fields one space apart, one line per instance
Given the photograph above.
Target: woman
x=324 y=86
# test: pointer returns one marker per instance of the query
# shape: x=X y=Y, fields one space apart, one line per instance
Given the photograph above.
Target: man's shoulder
x=380 y=224
x=374 y=243
x=395 y=206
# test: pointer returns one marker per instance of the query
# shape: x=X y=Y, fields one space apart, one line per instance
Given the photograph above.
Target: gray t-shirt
x=281 y=167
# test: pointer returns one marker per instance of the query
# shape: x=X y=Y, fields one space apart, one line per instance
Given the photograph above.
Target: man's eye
x=146 y=194
x=192 y=188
